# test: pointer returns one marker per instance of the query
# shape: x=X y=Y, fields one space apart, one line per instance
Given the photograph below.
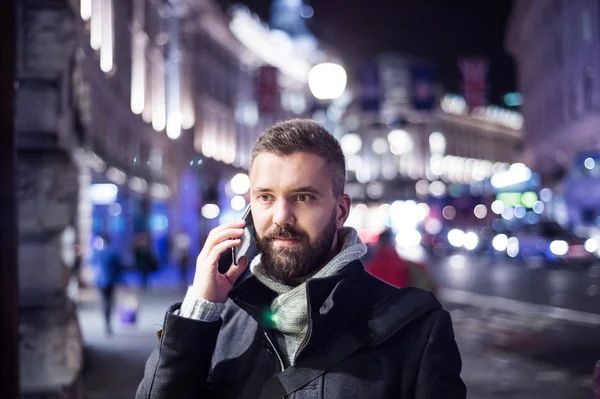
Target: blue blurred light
x=159 y=222
x=531 y=218
x=307 y=11
x=513 y=99
x=497 y=225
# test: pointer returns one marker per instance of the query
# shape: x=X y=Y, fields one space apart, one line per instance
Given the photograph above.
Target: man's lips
x=286 y=242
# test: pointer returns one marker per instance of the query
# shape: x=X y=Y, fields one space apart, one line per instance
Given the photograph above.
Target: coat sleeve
x=439 y=371
x=179 y=366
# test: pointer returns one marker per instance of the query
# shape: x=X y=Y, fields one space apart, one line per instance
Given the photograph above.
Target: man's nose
x=283 y=214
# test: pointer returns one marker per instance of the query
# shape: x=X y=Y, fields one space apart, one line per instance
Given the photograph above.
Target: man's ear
x=344 y=202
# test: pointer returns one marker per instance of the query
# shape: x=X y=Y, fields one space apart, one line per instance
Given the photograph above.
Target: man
x=108 y=267
x=144 y=258
x=386 y=264
x=181 y=249
x=307 y=321
x=596 y=380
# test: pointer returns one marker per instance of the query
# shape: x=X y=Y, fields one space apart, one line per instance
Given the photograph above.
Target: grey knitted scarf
x=290 y=308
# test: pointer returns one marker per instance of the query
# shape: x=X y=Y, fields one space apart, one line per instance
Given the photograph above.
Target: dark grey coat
x=411 y=354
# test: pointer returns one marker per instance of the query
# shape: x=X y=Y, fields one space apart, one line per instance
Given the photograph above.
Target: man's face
x=296 y=214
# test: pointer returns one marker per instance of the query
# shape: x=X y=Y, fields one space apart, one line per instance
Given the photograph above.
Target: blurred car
x=453 y=239
x=545 y=241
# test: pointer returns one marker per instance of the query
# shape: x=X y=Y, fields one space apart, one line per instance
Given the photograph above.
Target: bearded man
x=305 y=320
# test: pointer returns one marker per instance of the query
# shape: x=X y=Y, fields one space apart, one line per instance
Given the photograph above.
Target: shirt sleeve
x=197 y=308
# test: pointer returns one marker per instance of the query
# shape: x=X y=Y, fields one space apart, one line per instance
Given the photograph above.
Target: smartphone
x=247 y=245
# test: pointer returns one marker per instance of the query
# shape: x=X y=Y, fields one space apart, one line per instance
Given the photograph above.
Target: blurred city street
x=505 y=355
x=463 y=134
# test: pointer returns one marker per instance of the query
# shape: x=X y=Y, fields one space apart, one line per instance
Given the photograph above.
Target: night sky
x=438 y=30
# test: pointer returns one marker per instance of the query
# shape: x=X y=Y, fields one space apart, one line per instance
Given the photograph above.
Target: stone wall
x=50 y=348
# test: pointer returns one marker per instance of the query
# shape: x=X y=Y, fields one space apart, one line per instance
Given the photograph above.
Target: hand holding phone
x=209 y=282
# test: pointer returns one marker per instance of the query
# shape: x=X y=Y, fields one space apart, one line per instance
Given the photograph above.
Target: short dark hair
x=304 y=135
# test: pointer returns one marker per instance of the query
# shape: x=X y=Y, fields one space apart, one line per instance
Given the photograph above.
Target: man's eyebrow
x=302 y=189
x=306 y=189
x=262 y=190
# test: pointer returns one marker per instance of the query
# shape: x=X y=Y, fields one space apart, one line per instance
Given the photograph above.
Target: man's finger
x=230 y=225
x=218 y=238
x=235 y=271
x=218 y=249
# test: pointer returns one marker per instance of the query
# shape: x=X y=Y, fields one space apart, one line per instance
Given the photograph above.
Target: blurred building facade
x=557 y=49
x=556 y=45
x=130 y=117
x=446 y=145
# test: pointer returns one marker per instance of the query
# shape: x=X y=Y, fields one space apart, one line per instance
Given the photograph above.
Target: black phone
x=247 y=245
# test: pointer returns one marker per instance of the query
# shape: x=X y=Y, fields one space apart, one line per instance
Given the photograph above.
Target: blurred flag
x=474 y=81
x=370 y=86
x=268 y=90
x=422 y=91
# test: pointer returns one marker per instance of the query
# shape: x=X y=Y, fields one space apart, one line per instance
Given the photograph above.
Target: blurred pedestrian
x=596 y=381
x=145 y=261
x=77 y=265
x=386 y=264
x=181 y=251
x=108 y=271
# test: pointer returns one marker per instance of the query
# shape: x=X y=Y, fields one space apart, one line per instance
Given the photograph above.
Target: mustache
x=286 y=232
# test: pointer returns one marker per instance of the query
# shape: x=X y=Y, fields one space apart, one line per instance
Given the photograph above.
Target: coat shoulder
x=388 y=292
x=396 y=308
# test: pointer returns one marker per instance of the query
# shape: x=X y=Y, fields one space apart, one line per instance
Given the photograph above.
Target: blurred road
x=115 y=365
x=554 y=309
x=567 y=286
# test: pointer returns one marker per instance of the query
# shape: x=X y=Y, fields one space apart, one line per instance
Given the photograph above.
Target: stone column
x=9 y=337
x=50 y=347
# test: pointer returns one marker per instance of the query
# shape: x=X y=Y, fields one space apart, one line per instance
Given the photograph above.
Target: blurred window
x=588 y=87
x=586 y=25
x=573 y=109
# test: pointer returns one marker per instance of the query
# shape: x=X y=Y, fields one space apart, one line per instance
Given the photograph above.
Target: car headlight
x=471 y=241
x=591 y=245
x=456 y=238
x=500 y=242
x=512 y=247
x=559 y=247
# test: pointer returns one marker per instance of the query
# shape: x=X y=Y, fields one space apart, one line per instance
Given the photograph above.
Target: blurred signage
x=370 y=86
x=102 y=194
x=474 y=81
x=268 y=90
x=531 y=184
x=526 y=199
x=395 y=79
x=422 y=90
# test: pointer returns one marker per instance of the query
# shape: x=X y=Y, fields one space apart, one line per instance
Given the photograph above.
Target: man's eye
x=303 y=197
x=264 y=197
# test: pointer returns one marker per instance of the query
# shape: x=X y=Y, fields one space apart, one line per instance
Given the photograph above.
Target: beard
x=292 y=265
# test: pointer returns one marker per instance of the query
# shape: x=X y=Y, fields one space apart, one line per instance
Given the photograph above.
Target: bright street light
x=240 y=183
x=327 y=81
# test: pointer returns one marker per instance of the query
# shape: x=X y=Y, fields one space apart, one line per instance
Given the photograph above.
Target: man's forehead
x=289 y=171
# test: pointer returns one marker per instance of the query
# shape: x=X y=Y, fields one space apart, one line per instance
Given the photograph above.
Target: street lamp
x=240 y=184
x=327 y=81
